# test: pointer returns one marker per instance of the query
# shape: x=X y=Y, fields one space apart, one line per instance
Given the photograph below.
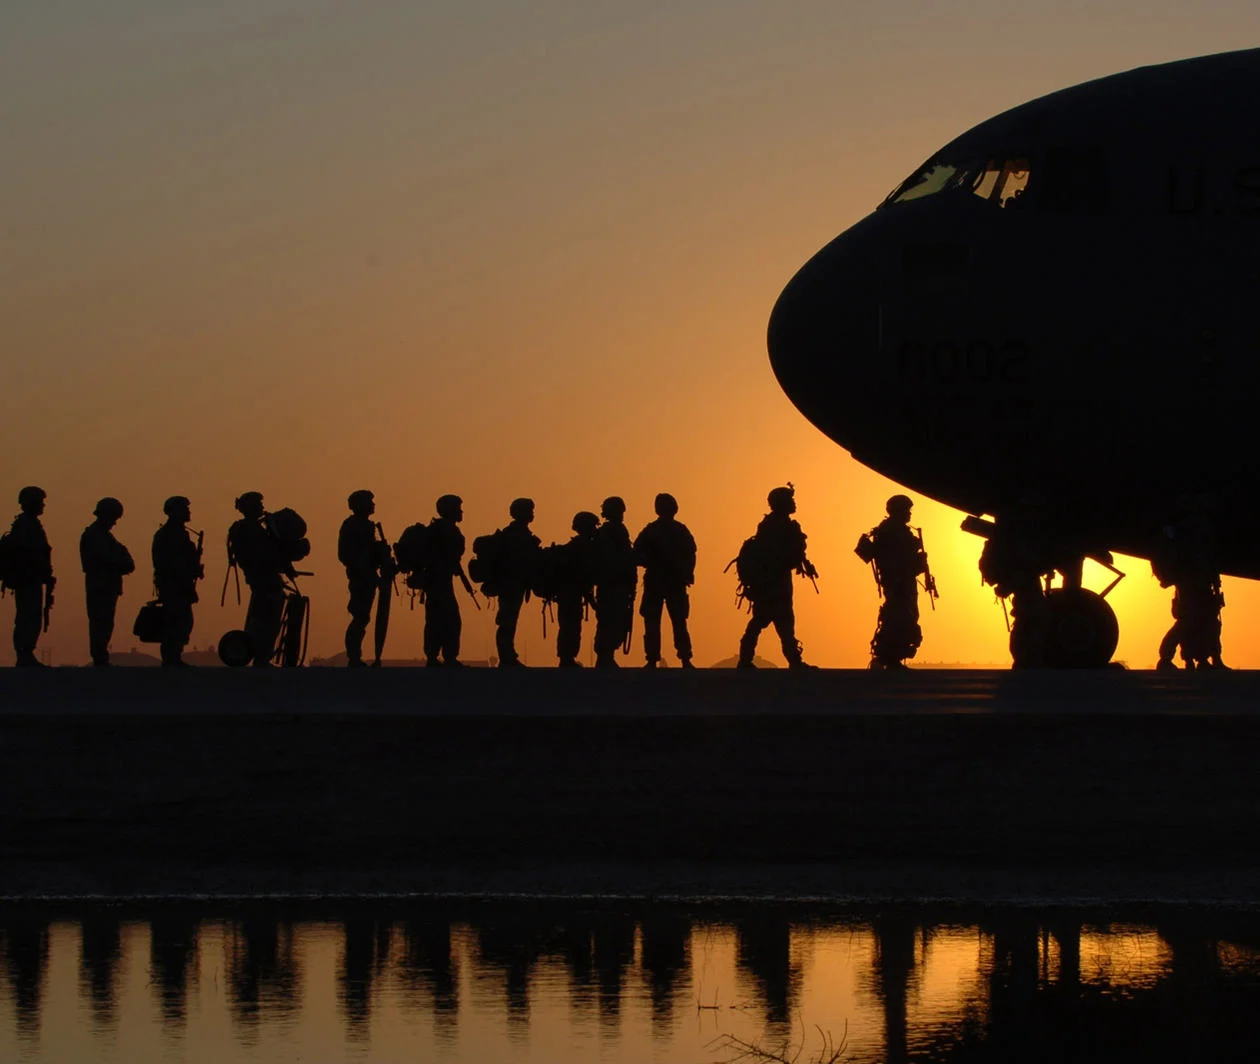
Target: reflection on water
x=545 y=982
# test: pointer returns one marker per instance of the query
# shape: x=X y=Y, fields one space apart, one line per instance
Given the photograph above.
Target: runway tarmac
x=1037 y=787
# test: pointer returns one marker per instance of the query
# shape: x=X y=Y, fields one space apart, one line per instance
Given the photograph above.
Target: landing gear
x=1082 y=631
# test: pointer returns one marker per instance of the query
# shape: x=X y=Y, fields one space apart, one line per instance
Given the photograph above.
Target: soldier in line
x=442 y=623
x=176 y=569
x=360 y=550
x=616 y=582
x=257 y=550
x=1185 y=557
x=26 y=570
x=1015 y=560
x=575 y=588
x=779 y=552
x=105 y=562
x=899 y=559
x=667 y=551
x=517 y=561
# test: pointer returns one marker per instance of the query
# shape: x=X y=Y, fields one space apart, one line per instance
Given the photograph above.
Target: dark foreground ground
x=981 y=786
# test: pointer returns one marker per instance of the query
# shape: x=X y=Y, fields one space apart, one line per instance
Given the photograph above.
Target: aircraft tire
x=1083 y=631
x=236 y=649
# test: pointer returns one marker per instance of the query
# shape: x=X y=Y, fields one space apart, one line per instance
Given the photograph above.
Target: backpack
x=486 y=561
x=752 y=568
x=548 y=575
x=11 y=559
x=411 y=552
x=290 y=529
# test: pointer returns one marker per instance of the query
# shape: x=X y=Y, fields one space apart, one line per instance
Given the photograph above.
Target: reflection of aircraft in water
x=1056 y=311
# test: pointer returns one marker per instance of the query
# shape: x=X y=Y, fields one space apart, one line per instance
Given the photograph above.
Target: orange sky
x=303 y=248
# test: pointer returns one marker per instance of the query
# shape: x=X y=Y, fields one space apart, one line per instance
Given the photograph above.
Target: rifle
x=929 y=581
x=201 y=542
x=387 y=587
x=811 y=574
x=48 y=601
x=463 y=579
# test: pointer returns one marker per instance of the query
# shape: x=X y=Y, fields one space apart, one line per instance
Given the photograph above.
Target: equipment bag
x=150 y=623
x=752 y=568
x=411 y=552
x=290 y=530
x=484 y=565
x=11 y=559
x=549 y=572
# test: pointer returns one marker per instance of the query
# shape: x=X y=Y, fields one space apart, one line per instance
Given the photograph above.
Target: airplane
x=1054 y=315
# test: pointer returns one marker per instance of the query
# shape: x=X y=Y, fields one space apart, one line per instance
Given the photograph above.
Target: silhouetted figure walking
x=616 y=582
x=1185 y=557
x=26 y=570
x=364 y=553
x=442 y=623
x=575 y=587
x=766 y=564
x=105 y=562
x=176 y=569
x=1016 y=560
x=667 y=551
x=258 y=551
x=516 y=560
x=896 y=551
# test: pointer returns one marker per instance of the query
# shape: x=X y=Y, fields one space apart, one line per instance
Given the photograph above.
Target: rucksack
x=752 y=568
x=411 y=552
x=290 y=529
x=486 y=561
x=11 y=560
x=548 y=575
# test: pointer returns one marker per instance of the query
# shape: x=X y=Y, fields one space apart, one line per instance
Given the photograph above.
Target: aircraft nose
x=823 y=337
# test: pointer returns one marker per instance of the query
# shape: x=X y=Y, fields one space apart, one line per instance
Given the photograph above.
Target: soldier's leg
x=177 y=624
x=762 y=616
x=505 y=620
x=679 y=606
x=1168 y=647
x=262 y=622
x=100 y=616
x=28 y=619
x=607 y=638
x=360 y=607
x=452 y=630
x=785 y=625
x=569 y=629
x=650 y=610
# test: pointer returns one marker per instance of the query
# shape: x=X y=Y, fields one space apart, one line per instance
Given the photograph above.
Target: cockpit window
x=933 y=178
x=1000 y=180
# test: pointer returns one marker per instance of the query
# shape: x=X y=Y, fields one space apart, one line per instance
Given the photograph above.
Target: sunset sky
x=493 y=249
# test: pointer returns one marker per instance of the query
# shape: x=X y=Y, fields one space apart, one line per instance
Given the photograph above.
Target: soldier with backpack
x=105 y=562
x=254 y=545
x=574 y=587
x=616 y=582
x=667 y=551
x=26 y=570
x=765 y=566
x=506 y=564
x=363 y=552
x=896 y=552
x=176 y=569
x=444 y=560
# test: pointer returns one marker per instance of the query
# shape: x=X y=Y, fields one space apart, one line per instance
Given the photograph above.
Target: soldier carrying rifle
x=895 y=550
x=26 y=570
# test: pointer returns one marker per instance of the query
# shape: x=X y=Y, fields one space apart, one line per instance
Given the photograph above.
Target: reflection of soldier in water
x=667 y=551
x=775 y=553
x=516 y=562
x=575 y=579
x=362 y=552
x=442 y=622
x=899 y=559
x=105 y=563
x=258 y=551
x=1185 y=557
x=176 y=569
x=616 y=581
x=28 y=573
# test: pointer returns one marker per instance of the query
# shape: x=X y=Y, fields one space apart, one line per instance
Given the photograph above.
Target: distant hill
x=338 y=661
x=733 y=660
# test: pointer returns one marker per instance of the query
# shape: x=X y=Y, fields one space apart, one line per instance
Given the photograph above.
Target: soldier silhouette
x=1015 y=560
x=442 y=623
x=616 y=581
x=1185 y=557
x=667 y=551
x=257 y=550
x=776 y=551
x=105 y=562
x=26 y=570
x=575 y=581
x=516 y=563
x=176 y=569
x=899 y=559
x=363 y=553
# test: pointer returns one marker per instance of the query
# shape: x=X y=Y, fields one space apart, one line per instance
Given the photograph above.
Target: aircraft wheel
x=236 y=649
x=1083 y=630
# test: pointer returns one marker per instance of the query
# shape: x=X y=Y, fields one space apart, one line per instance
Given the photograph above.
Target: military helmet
x=585 y=522
x=521 y=509
x=448 y=506
x=176 y=503
x=244 y=500
x=781 y=498
x=899 y=504
x=108 y=508
x=360 y=499
x=613 y=505
x=28 y=496
x=666 y=505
